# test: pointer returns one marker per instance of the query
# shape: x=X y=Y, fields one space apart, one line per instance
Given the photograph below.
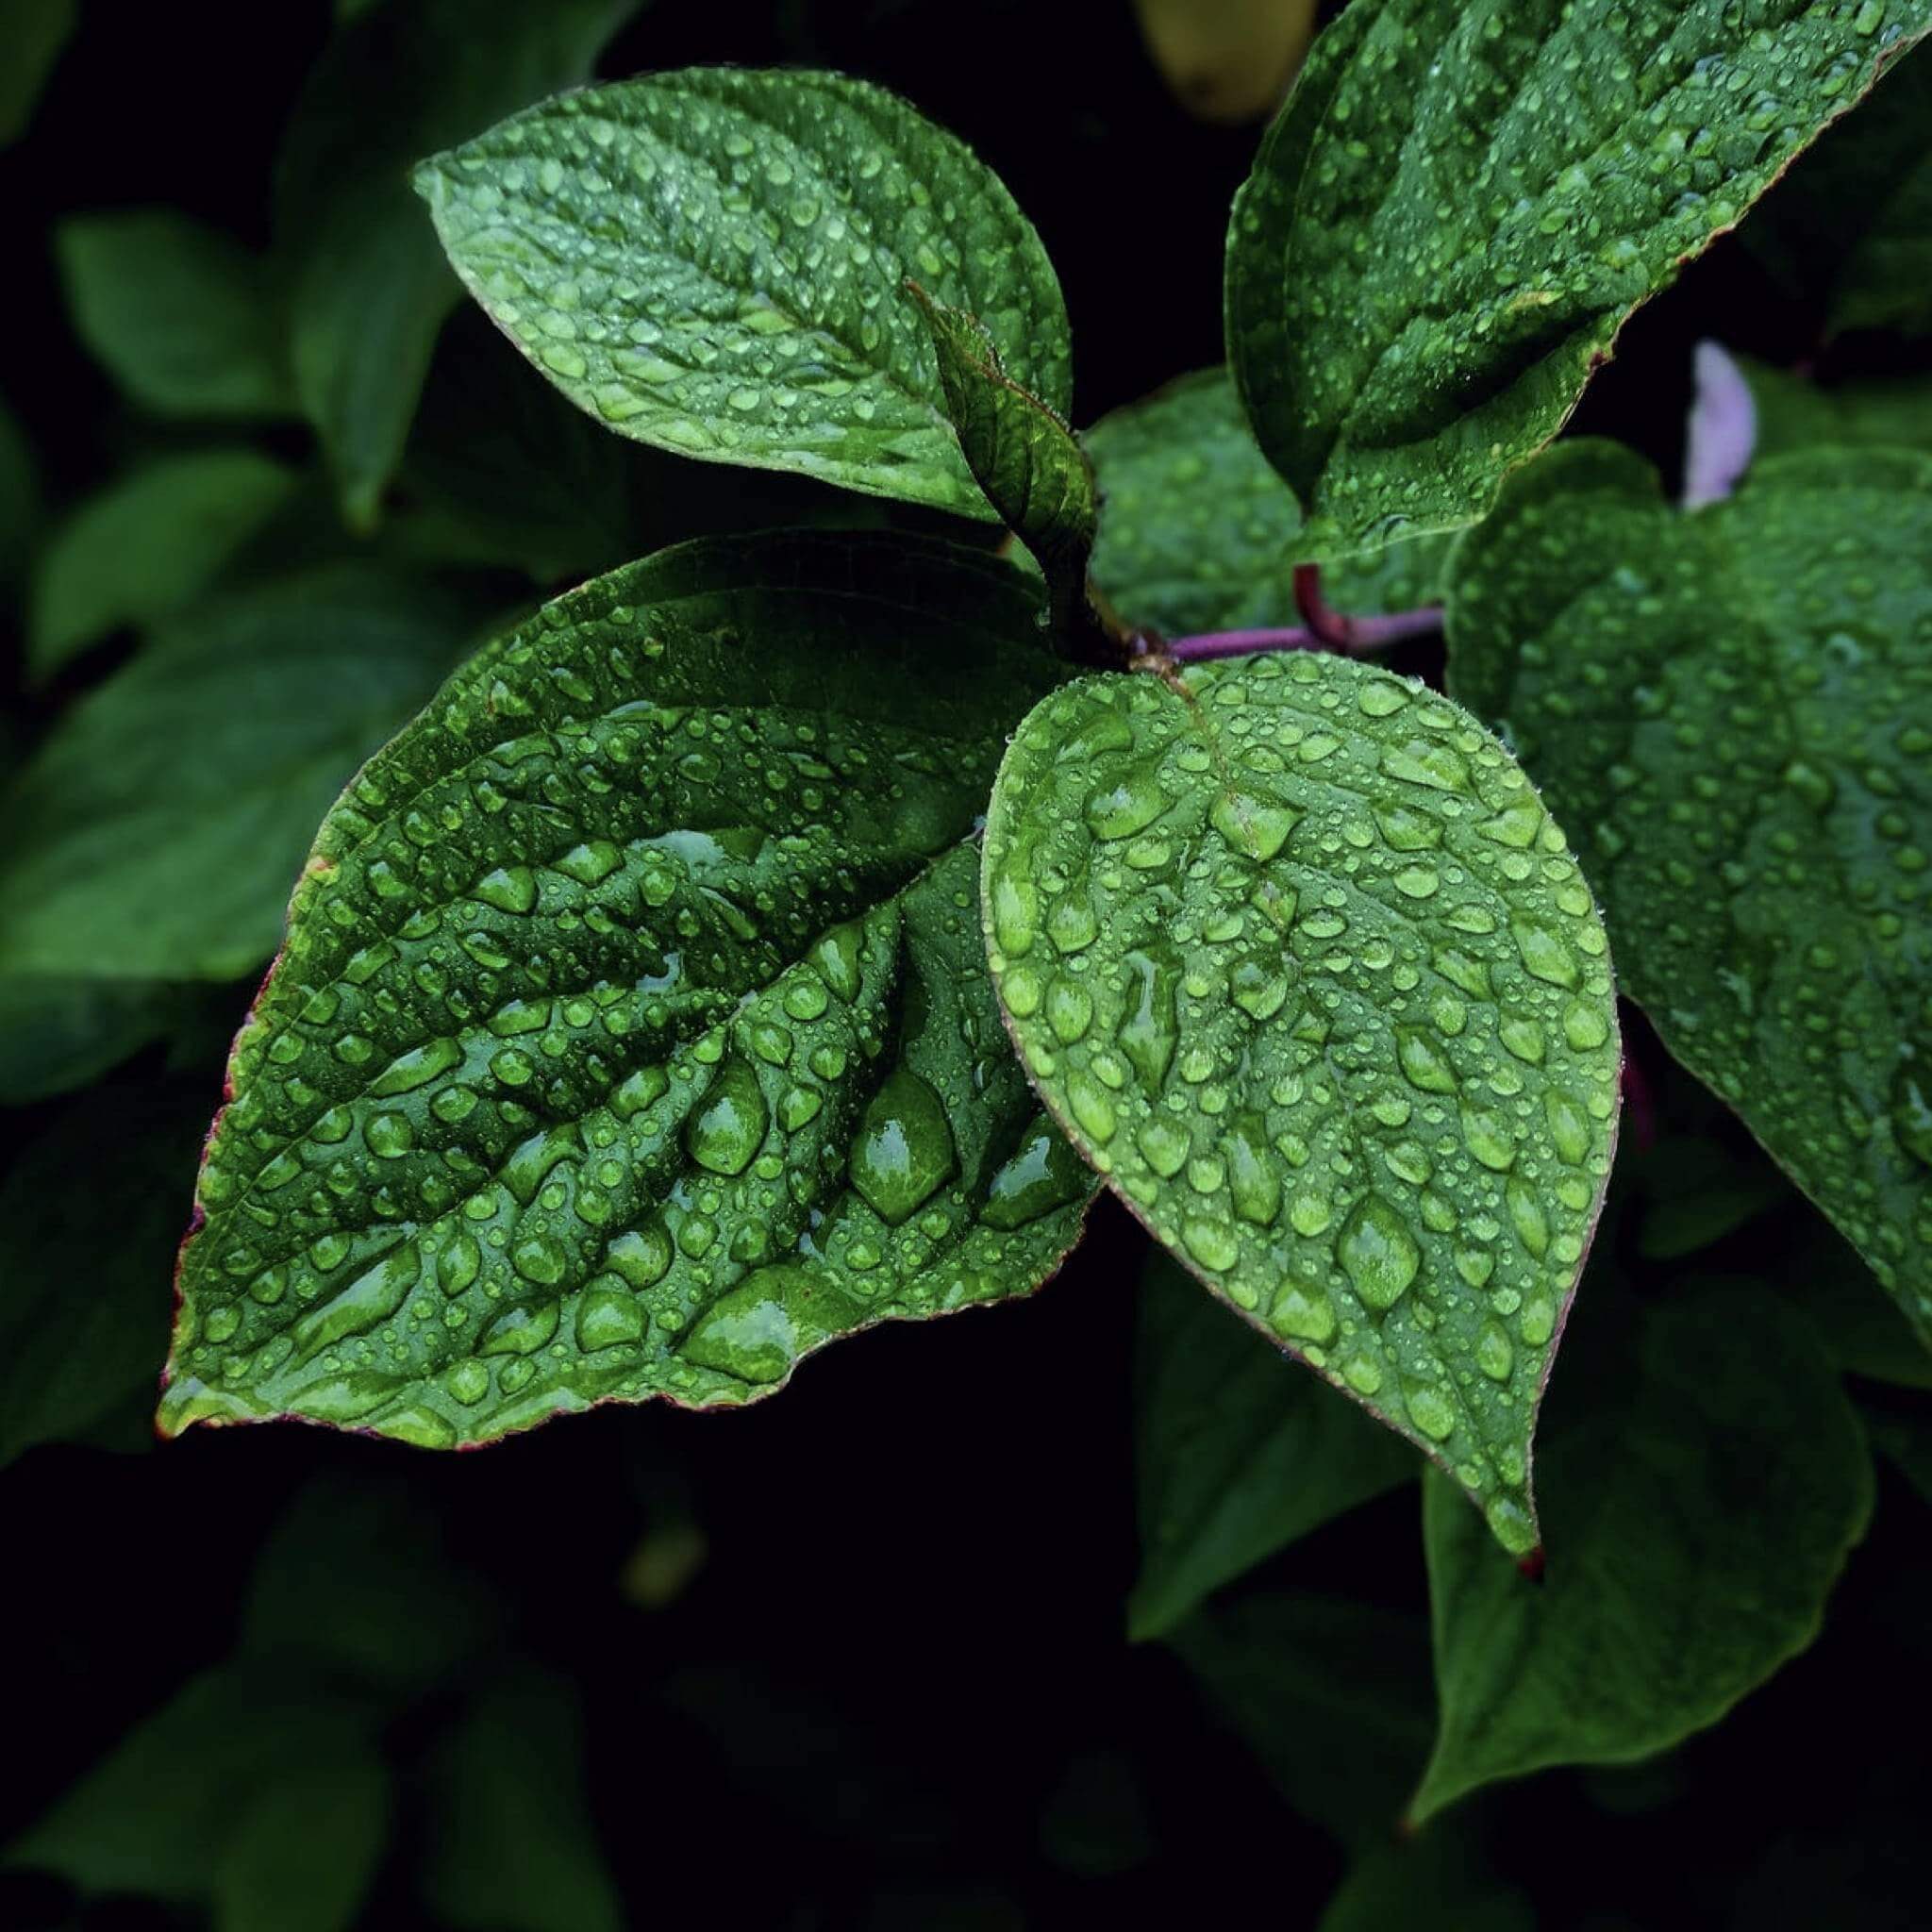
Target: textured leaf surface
x=715 y=260
x=1463 y=201
x=144 y=546
x=1197 y=533
x=1333 y=1697
x=1731 y=712
x=82 y=1328
x=1699 y=1511
x=1021 y=452
x=369 y=290
x=1853 y=223
x=154 y=834
x=1239 y=1456
x=181 y=315
x=1298 y=957
x=633 y=1035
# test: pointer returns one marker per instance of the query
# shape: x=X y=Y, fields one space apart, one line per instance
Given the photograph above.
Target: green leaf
x=304 y=1848
x=369 y=291
x=174 y=1799
x=148 y=544
x=1853 y=223
x=60 y=1032
x=511 y=1843
x=633 y=1035
x=1293 y=951
x=1699 y=1511
x=1239 y=1456
x=1438 y=1877
x=714 y=261
x=156 y=833
x=1022 y=452
x=1695 y=1191
x=1197 y=533
x=1461 y=202
x=37 y=30
x=83 y=1301
x=1728 y=709
x=1794 y=414
x=182 y=315
x=1332 y=1696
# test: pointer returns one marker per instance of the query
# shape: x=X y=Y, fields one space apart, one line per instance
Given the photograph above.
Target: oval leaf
x=1197 y=533
x=1293 y=951
x=715 y=261
x=1463 y=201
x=1729 y=707
x=1699 y=1515
x=633 y=1035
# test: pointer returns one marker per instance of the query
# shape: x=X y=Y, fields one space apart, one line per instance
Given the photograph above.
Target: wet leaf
x=714 y=261
x=145 y=545
x=1197 y=533
x=1699 y=1511
x=1239 y=1456
x=1021 y=452
x=369 y=290
x=1728 y=709
x=633 y=1035
x=1853 y=221
x=1462 y=202
x=181 y=315
x=1297 y=957
x=155 y=833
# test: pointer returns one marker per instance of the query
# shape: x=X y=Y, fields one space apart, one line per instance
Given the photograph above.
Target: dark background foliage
x=856 y=1657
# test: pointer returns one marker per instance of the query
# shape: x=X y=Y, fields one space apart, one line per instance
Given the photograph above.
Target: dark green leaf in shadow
x=510 y=1846
x=148 y=544
x=181 y=315
x=1700 y=1497
x=369 y=290
x=1237 y=1454
x=1332 y=1695
x=155 y=832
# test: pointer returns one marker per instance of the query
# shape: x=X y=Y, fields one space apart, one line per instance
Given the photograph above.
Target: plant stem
x=1363 y=634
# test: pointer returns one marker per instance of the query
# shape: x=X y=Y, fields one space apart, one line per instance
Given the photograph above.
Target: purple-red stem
x=1364 y=634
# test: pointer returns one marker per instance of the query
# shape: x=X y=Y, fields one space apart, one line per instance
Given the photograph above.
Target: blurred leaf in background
x=368 y=286
x=36 y=32
x=1229 y=60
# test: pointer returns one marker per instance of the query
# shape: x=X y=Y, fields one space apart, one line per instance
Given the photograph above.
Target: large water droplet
x=904 y=1149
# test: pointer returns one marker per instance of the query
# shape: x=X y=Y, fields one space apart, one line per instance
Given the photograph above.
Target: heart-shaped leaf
x=715 y=261
x=1296 y=954
x=1463 y=200
x=1023 y=456
x=1730 y=711
x=1197 y=533
x=633 y=1035
x=1699 y=1515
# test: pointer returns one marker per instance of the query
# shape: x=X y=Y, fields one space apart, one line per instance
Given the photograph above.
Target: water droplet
x=1378 y=1252
x=904 y=1149
x=1043 y=1173
x=728 y=1129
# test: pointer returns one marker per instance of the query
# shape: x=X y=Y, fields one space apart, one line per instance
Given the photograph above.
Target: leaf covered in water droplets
x=1024 y=454
x=715 y=260
x=1730 y=711
x=1296 y=954
x=1197 y=533
x=633 y=1035
x=1463 y=200
x=1700 y=1508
